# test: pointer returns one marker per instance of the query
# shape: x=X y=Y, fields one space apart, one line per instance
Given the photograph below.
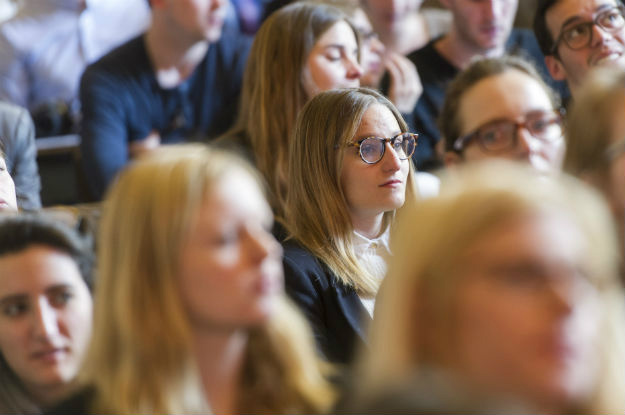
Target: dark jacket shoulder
x=79 y=403
x=333 y=309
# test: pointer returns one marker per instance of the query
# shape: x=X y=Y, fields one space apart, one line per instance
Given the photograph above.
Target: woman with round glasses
x=596 y=140
x=349 y=173
x=299 y=51
x=500 y=107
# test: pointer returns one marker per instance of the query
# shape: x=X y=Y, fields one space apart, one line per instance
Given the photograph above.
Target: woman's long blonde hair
x=432 y=236
x=273 y=90
x=317 y=213
x=139 y=360
x=591 y=124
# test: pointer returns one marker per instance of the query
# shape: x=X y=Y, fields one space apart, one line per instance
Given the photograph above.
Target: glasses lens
x=371 y=149
x=497 y=136
x=578 y=36
x=545 y=128
x=407 y=144
x=612 y=19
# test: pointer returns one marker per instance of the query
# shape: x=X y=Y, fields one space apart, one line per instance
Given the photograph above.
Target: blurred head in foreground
x=596 y=138
x=187 y=261
x=508 y=281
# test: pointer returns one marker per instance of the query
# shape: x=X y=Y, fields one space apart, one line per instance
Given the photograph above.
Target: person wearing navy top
x=178 y=81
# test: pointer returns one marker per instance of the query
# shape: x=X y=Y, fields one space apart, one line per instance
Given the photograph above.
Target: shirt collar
x=380 y=244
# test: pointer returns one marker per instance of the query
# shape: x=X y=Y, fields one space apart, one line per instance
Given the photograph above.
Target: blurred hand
x=139 y=147
x=405 y=85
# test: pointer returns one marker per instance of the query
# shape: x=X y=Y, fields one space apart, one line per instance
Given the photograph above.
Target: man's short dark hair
x=21 y=231
x=541 y=31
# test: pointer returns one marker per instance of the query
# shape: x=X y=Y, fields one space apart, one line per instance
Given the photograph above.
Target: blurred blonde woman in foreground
x=190 y=315
x=507 y=284
x=596 y=140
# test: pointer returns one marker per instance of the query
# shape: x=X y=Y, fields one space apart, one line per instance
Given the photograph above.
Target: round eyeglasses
x=501 y=135
x=371 y=149
x=579 y=36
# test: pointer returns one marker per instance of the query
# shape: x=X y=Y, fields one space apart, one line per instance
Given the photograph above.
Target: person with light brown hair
x=596 y=139
x=511 y=293
x=299 y=51
x=190 y=314
x=349 y=173
x=501 y=108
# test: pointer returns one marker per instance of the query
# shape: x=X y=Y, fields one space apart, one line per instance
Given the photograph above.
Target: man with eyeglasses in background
x=502 y=108
x=577 y=35
x=480 y=28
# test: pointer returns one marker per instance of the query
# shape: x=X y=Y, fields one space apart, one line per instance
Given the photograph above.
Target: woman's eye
x=61 y=298
x=490 y=136
x=368 y=149
x=539 y=125
x=14 y=309
x=227 y=238
x=577 y=31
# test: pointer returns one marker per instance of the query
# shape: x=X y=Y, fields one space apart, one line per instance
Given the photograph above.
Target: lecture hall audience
x=317 y=271
x=479 y=29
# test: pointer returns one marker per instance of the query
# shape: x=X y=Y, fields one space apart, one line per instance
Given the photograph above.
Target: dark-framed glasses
x=371 y=149
x=578 y=36
x=501 y=135
x=615 y=150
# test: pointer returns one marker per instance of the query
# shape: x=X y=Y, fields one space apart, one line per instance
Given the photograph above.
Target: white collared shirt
x=372 y=255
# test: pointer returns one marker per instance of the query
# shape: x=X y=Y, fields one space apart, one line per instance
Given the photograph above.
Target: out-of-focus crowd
x=338 y=206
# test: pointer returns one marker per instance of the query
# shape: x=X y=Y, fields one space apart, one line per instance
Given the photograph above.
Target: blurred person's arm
x=18 y=139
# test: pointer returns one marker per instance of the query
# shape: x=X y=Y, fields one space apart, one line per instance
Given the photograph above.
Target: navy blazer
x=337 y=316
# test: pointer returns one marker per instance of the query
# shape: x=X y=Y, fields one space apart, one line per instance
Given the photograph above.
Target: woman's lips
x=391 y=183
x=51 y=355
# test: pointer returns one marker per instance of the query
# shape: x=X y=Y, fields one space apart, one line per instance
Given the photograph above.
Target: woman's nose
x=354 y=70
x=45 y=319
